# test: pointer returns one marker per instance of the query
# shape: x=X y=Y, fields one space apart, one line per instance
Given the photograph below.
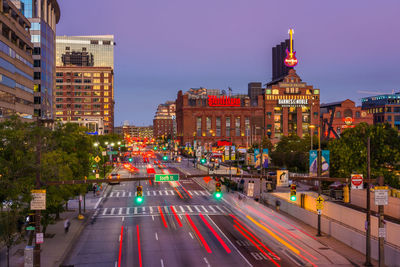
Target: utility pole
x=381 y=225
x=36 y=250
x=368 y=222
x=319 y=176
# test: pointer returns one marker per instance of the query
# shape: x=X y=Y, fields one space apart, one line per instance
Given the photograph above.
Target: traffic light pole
x=319 y=175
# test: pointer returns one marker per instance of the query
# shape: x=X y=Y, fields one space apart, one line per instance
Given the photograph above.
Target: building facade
x=164 y=122
x=83 y=93
x=135 y=131
x=16 y=63
x=43 y=15
x=206 y=117
x=343 y=115
x=291 y=106
x=384 y=108
x=99 y=50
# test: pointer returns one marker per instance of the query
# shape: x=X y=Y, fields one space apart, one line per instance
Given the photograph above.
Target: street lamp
x=96 y=144
x=119 y=143
x=106 y=143
x=112 y=144
x=311 y=134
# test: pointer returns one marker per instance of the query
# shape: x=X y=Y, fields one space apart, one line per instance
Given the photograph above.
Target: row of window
x=339 y=114
x=80 y=74
x=384 y=109
x=11 y=52
x=209 y=131
x=86 y=100
x=61 y=93
x=80 y=81
x=86 y=106
x=291 y=90
x=11 y=68
x=97 y=113
x=79 y=87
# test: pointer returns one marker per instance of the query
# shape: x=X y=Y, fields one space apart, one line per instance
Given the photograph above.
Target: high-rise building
x=85 y=79
x=135 y=131
x=98 y=47
x=16 y=63
x=83 y=93
x=43 y=15
x=164 y=123
x=385 y=108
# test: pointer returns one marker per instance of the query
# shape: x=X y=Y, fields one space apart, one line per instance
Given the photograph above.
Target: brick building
x=134 y=131
x=291 y=106
x=206 y=116
x=384 y=108
x=164 y=120
x=343 y=114
x=85 y=92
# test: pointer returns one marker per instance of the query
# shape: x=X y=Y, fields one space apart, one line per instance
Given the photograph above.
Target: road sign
x=112 y=152
x=282 y=177
x=356 y=181
x=207 y=179
x=97 y=159
x=381 y=197
x=166 y=177
x=104 y=153
x=39 y=238
x=30 y=228
x=319 y=203
x=38 y=201
x=382 y=232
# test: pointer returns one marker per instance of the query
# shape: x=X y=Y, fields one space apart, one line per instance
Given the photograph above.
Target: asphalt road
x=181 y=224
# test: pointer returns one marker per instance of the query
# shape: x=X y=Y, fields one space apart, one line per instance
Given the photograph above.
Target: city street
x=181 y=224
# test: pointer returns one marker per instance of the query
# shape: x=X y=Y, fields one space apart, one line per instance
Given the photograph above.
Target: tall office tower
x=85 y=81
x=16 y=63
x=43 y=15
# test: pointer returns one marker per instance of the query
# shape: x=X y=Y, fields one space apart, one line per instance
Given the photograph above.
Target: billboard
x=325 y=159
x=233 y=153
x=282 y=178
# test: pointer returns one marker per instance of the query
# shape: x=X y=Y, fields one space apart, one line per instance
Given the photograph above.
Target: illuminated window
x=96 y=74
x=59 y=113
x=268 y=91
x=87 y=74
x=96 y=80
x=105 y=93
x=105 y=100
x=105 y=80
x=275 y=92
x=106 y=106
x=96 y=93
x=106 y=112
x=106 y=119
x=88 y=113
x=228 y=126
x=316 y=92
x=105 y=87
x=105 y=74
x=96 y=87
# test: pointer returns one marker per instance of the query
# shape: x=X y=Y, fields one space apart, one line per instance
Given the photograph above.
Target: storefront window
x=237 y=126
x=218 y=126
x=198 y=126
x=208 y=125
x=228 y=126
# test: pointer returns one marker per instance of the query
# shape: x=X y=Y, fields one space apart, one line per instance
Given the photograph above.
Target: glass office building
x=43 y=15
x=100 y=47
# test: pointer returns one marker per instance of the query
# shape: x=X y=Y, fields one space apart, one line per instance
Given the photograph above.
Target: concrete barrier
x=342 y=223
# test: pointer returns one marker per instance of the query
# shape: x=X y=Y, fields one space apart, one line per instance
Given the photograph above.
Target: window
x=316 y=92
x=396 y=109
x=106 y=42
x=96 y=80
x=269 y=115
x=228 y=126
x=77 y=106
x=96 y=93
x=36 y=87
x=35 y=38
x=275 y=92
x=59 y=113
x=268 y=91
x=198 y=126
x=389 y=118
x=106 y=106
x=96 y=87
x=338 y=115
x=87 y=100
x=247 y=126
x=105 y=87
x=96 y=74
x=59 y=99
x=105 y=74
x=105 y=100
x=87 y=87
x=59 y=93
x=87 y=74
x=59 y=106
x=77 y=93
x=208 y=126
x=218 y=126
x=36 y=63
x=36 y=75
x=357 y=114
x=36 y=100
x=36 y=51
x=94 y=42
x=78 y=80
x=105 y=80
x=96 y=100
x=88 y=113
x=87 y=81
x=106 y=112
x=105 y=93
x=237 y=126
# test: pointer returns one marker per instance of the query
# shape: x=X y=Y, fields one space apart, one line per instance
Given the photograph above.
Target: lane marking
x=162 y=263
x=215 y=234
x=198 y=234
x=237 y=250
x=123 y=219
x=191 y=235
x=208 y=264
x=156 y=235
x=139 y=250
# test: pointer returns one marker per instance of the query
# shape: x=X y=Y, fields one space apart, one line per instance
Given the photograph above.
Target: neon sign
x=293 y=102
x=223 y=101
x=290 y=59
x=348 y=122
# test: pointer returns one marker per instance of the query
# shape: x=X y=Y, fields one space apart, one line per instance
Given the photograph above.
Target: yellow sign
x=97 y=159
x=319 y=203
x=381 y=187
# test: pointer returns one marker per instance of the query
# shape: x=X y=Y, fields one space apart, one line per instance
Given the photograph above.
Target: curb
x=73 y=241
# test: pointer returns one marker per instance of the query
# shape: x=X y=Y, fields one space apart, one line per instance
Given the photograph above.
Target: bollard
x=346 y=194
x=277 y=205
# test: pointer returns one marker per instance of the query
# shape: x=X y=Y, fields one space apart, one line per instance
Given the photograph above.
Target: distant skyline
x=343 y=47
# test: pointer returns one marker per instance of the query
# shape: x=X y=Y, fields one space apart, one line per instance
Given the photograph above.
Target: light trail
x=198 y=234
x=120 y=247
x=162 y=216
x=139 y=250
x=185 y=190
x=215 y=234
x=176 y=216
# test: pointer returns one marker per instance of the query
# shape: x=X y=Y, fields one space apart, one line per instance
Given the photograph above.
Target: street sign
x=250 y=189
x=319 y=203
x=97 y=159
x=104 y=153
x=112 y=152
x=30 y=228
x=381 y=197
x=282 y=177
x=382 y=232
x=356 y=181
x=207 y=179
x=166 y=177
x=38 y=201
x=39 y=238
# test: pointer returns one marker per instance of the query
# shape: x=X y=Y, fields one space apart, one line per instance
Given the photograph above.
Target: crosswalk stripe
x=148 y=193
x=204 y=208
x=154 y=192
x=197 y=193
x=117 y=194
x=112 y=211
x=160 y=193
x=151 y=209
x=197 y=208
x=172 y=192
x=181 y=208
x=135 y=210
x=220 y=209
x=127 y=210
x=211 y=208
x=203 y=193
x=144 y=209
x=123 y=194
x=166 y=209
x=130 y=194
x=188 y=207
x=166 y=192
x=120 y=211
x=111 y=194
x=105 y=210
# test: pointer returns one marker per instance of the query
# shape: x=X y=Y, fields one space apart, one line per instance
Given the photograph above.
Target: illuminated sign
x=223 y=101
x=224 y=143
x=293 y=102
x=292 y=85
x=290 y=59
x=348 y=121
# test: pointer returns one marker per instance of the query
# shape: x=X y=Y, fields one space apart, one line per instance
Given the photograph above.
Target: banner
x=324 y=163
x=265 y=158
x=257 y=162
x=313 y=168
x=233 y=153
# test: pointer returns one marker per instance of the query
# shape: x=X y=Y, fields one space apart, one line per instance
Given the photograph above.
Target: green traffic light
x=203 y=161
x=164 y=148
x=293 y=198
x=130 y=159
x=165 y=158
x=218 y=195
x=139 y=200
x=155 y=148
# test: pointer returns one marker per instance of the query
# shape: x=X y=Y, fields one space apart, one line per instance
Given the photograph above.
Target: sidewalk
x=55 y=248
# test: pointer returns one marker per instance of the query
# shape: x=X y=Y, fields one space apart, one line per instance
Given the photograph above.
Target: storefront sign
x=224 y=143
x=290 y=60
x=289 y=85
x=348 y=122
x=293 y=102
x=223 y=101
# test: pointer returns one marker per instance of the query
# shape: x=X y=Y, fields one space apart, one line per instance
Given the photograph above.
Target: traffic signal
x=155 y=148
x=218 y=193
x=293 y=192
x=165 y=158
x=130 y=159
x=139 y=194
x=164 y=148
x=203 y=161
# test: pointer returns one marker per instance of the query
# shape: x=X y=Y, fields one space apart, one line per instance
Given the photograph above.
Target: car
x=115 y=177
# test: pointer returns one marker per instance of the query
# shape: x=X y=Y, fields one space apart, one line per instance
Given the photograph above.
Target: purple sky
x=164 y=46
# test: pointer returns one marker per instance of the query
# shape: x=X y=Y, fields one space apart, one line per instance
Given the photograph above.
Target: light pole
x=312 y=127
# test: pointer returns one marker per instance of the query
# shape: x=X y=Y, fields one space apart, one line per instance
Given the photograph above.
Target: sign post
x=38 y=201
x=357 y=181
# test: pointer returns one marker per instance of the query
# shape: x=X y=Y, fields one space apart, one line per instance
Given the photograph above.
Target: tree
x=349 y=153
x=10 y=229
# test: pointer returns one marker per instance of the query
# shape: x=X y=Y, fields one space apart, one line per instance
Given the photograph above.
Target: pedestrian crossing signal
x=293 y=192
